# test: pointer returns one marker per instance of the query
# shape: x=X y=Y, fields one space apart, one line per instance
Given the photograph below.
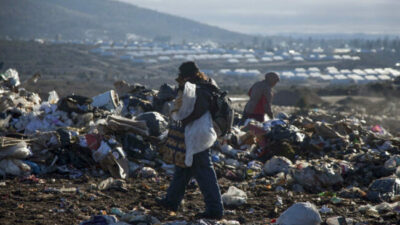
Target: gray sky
x=287 y=16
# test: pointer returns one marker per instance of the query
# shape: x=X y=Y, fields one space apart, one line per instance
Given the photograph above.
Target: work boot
x=209 y=215
x=163 y=203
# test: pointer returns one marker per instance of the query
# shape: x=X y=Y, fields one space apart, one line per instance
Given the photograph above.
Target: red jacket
x=260 y=99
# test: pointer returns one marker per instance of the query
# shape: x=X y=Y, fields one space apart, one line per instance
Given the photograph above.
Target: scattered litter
x=234 y=196
x=325 y=209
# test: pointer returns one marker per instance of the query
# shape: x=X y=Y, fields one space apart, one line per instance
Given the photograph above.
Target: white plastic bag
x=234 y=196
x=147 y=172
x=53 y=97
x=14 y=167
x=300 y=214
x=18 y=151
x=11 y=75
x=228 y=150
x=277 y=164
x=199 y=136
x=188 y=101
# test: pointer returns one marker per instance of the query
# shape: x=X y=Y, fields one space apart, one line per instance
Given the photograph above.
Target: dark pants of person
x=203 y=171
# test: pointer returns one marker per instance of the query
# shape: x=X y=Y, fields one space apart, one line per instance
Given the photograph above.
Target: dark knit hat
x=272 y=76
x=188 y=69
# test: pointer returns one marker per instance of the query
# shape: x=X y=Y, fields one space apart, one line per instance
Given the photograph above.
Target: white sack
x=300 y=213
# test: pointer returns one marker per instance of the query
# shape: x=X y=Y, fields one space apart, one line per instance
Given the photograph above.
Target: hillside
x=105 y=19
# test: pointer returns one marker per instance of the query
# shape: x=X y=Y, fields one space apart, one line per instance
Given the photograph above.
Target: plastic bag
x=18 y=151
x=185 y=102
x=14 y=167
x=147 y=172
x=228 y=150
x=384 y=189
x=300 y=214
x=11 y=75
x=116 y=163
x=234 y=196
x=199 y=136
x=53 y=97
x=393 y=162
x=277 y=164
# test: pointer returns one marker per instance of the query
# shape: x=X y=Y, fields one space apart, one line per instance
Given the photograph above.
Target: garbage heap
x=118 y=134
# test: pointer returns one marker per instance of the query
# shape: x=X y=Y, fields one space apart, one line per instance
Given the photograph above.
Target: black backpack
x=221 y=109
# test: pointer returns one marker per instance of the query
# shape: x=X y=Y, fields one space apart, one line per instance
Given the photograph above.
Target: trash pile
x=116 y=135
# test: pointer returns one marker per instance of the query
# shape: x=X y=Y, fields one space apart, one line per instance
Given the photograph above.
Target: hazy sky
x=287 y=16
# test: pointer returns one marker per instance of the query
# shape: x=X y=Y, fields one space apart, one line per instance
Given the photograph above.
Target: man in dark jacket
x=201 y=169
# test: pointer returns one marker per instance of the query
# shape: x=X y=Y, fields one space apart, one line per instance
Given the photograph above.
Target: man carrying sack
x=192 y=112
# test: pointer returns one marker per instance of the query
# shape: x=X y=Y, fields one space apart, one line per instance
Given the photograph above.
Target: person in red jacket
x=261 y=98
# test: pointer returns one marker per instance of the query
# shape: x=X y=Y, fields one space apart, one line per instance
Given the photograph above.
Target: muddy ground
x=33 y=202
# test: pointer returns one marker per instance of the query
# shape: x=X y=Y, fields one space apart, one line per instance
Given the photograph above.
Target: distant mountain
x=80 y=19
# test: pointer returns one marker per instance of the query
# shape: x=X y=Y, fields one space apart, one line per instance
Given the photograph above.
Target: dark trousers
x=203 y=171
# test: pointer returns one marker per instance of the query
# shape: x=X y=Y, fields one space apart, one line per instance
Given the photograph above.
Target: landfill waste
x=325 y=209
x=299 y=214
x=336 y=200
x=234 y=197
x=229 y=222
x=297 y=188
x=147 y=172
x=112 y=184
x=75 y=104
x=392 y=163
x=380 y=210
x=138 y=217
x=228 y=150
x=352 y=192
x=279 y=201
x=317 y=175
x=12 y=154
x=155 y=121
x=101 y=155
x=108 y=100
x=398 y=172
x=163 y=100
x=124 y=88
x=384 y=189
x=277 y=164
x=100 y=220
x=11 y=78
x=339 y=220
x=112 y=160
x=120 y=124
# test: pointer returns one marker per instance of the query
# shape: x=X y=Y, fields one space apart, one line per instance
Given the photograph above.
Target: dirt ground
x=31 y=201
